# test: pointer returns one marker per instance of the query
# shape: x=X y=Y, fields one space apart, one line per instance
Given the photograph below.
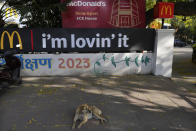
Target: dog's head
x=84 y=107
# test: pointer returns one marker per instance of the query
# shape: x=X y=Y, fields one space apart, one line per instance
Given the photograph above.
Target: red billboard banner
x=164 y=10
x=104 y=14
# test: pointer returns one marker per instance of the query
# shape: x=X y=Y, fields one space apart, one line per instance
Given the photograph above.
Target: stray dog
x=85 y=112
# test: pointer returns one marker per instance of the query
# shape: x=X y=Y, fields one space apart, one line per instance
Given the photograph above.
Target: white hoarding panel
x=85 y=64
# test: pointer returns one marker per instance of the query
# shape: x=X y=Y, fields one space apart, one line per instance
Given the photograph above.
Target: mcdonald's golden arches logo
x=164 y=10
x=11 y=39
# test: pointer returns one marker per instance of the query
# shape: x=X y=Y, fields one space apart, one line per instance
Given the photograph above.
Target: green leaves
x=127 y=60
x=36 y=13
x=113 y=62
x=98 y=63
x=136 y=61
x=104 y=57
x=145 y=60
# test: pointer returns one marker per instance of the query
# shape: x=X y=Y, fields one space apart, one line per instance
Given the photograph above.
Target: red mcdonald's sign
x=164 y=10
x=104 y=14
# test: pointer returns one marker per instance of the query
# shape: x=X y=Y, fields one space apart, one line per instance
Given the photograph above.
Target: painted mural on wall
x=115 y=63
x=89 y=64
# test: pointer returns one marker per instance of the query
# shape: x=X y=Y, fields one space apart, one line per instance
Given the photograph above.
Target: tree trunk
x=180 y=8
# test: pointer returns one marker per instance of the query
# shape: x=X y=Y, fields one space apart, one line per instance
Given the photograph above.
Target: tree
x=4 y=13
x=193 y=29
x=39 y=13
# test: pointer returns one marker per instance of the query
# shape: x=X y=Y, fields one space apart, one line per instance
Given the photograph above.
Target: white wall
x=163 y=52
x=158 y=63
x=85 y=64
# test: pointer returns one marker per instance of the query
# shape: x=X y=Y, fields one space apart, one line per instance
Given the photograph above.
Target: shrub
x=194 y=53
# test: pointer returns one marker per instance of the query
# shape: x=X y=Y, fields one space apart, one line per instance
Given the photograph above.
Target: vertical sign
x=164 y=10
x=104 y=14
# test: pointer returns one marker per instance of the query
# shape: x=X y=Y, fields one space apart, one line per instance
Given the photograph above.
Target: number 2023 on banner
x=74 y=63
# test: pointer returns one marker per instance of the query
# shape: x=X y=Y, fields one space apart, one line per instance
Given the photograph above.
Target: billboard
x=104 y=14
x=76 y=40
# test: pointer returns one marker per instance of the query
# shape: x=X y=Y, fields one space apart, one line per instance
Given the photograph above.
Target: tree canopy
x=36 y=13
x=39 y=13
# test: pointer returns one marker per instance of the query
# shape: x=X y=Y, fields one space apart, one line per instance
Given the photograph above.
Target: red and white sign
x=164 y=10
x=104 y=14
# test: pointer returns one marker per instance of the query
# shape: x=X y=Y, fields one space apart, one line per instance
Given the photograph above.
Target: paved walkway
x=182 y=65
x=184 y=71
x=131 y=103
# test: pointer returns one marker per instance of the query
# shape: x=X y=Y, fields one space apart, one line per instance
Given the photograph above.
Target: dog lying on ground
x=85 y=112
